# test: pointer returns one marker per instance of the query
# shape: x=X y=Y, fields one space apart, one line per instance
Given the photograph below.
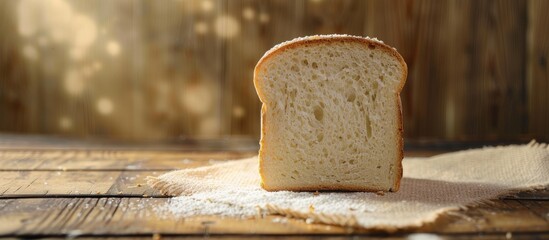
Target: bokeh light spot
x=238 y=112
x=65 y=123
x=201 y=28
x=226 y=26
x=197 y=99
x=84 y=31
x=207 y=5
x=113 y=48
x=264 y=18
x=105 y=106
x=248 y=13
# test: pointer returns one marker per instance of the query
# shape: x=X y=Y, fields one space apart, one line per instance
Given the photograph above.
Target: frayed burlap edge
x=165 y=187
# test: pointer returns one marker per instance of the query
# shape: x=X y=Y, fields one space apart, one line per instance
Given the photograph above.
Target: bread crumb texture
x=331 y=117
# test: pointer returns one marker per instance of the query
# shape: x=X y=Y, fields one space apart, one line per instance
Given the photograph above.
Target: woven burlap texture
x=430 y=186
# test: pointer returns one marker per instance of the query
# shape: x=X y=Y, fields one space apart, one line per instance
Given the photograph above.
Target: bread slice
x=331 y=116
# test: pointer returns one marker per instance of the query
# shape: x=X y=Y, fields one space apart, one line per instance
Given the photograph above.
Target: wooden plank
x=538 y=68
x=129 y=216
x=494 y=216
x=21 y=184
x=134 y=183
x=148 y=215
x=110 y=159
x=49 y=142
x=541 y=210
x=498 y=76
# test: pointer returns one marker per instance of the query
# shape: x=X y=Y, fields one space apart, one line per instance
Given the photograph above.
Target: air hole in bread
x=294 y=68
x=314 y=65
x=351 y=96
x=319 y=113
x=368 y=127
x=319 y=137
x=305 y=62
x=293 y=93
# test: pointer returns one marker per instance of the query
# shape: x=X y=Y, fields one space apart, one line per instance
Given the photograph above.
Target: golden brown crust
x=342 y=188
x=261 y=142
x=400 y=146
x=320 y=40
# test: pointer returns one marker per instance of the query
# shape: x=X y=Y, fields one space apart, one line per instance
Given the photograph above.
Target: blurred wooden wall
x=152 y=70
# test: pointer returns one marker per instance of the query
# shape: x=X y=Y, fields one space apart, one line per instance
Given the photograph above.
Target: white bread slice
x=331 y=116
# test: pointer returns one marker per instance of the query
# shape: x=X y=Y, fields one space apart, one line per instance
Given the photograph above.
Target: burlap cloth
x=430 y=186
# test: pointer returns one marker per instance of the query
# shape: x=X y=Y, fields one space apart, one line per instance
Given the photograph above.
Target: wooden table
x=56 y=188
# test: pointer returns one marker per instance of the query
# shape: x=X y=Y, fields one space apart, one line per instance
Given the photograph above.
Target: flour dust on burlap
x=430 y=186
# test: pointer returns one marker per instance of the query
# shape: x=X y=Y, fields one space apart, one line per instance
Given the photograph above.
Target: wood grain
x=146 y=216
x=119 y=160
x=25 y=184
x=538 y=68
